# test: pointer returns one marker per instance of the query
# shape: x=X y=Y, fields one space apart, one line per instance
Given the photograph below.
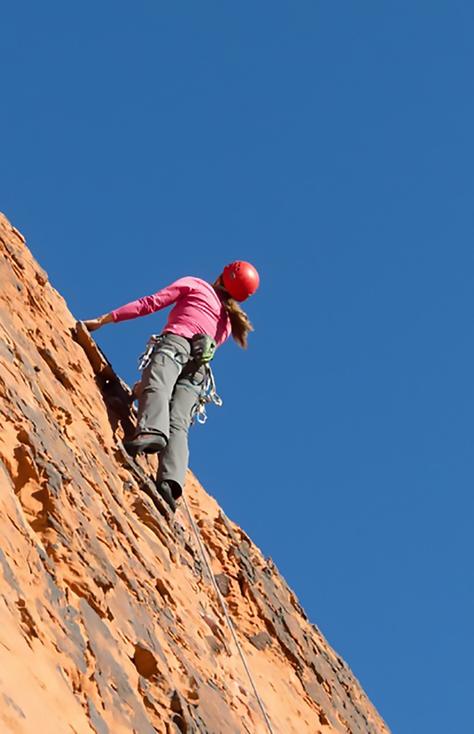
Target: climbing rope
x=226 y=614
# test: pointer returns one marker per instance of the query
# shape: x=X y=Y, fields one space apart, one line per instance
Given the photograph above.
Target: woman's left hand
x=92 y=324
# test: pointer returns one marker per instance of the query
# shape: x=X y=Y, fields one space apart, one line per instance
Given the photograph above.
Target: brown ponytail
x=240 y=322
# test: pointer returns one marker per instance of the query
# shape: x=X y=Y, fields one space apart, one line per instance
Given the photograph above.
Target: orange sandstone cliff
x=109 y=622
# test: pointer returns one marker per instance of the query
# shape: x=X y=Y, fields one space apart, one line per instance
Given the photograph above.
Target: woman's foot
x=164 y=489
x=145 y=443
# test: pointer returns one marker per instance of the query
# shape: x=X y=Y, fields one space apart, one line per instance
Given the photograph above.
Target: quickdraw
x=144 y=359
x=208 y=395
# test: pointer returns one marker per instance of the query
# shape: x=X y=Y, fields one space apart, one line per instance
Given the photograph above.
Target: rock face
x=109 y=621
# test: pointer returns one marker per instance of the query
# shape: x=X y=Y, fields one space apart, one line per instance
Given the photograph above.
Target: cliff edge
x=109 y=622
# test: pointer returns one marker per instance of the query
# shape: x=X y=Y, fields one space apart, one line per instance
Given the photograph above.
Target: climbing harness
x=202 y=351
x=145 y=358
x=230 y=624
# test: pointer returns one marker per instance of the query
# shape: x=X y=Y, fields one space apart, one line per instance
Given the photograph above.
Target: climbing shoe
x=164 y=489
x=145 y=443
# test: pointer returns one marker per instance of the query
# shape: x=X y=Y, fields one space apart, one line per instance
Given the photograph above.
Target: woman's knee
x=179 y=423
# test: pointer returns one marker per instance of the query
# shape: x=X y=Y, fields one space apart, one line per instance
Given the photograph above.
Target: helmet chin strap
x=219 y=286
x=218 y=283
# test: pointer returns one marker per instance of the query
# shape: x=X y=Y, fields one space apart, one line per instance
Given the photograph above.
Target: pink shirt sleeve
x=150 y=304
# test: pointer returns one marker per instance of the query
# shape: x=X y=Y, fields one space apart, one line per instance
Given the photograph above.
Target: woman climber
x=173 y=379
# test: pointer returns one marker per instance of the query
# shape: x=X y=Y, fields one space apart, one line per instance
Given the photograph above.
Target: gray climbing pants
x=170 y=388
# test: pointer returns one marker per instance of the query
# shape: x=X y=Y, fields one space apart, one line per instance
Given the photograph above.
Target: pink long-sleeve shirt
x=198 y=309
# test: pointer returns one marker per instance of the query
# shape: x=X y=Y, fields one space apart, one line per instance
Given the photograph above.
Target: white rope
x=226 y=614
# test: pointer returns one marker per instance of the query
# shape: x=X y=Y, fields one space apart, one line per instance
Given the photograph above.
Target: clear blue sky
x=330 y=143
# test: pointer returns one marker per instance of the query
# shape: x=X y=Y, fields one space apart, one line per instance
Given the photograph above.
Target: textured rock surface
x=108 y=621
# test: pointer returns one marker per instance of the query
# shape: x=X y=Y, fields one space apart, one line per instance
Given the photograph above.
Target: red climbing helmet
x=240 y=279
